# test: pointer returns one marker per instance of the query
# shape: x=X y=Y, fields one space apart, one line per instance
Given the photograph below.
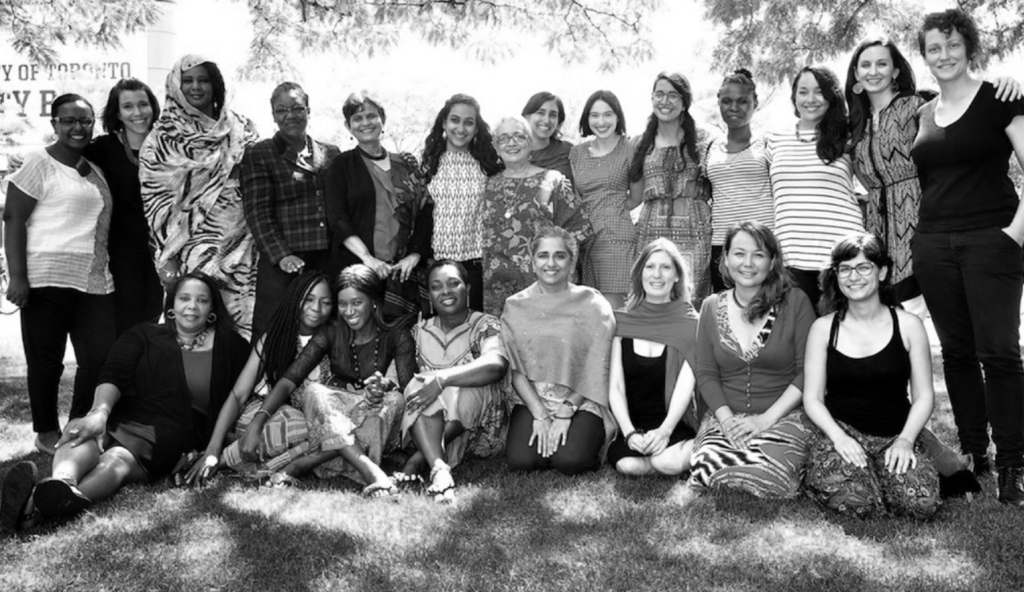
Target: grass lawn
x=506 y=532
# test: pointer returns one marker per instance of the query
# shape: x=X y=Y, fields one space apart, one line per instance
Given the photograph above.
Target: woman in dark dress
x=128 y=118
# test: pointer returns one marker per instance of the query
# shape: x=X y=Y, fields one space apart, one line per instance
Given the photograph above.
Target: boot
x=1011 y=490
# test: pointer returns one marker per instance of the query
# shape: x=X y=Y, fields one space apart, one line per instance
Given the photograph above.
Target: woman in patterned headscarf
x=190 y=191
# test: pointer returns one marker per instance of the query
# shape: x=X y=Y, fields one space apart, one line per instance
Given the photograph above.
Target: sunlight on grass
x=16 y=439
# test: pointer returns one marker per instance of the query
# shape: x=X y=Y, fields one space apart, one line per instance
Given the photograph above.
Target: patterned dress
x=479 y=409
x=511 y=212
x=676 y=206
x=603 y=186
x=883 y=164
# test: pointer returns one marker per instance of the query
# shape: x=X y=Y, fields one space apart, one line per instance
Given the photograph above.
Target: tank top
x=645 y=386
x=869 y=393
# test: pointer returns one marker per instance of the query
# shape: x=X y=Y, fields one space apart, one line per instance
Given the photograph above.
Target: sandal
x=442 y=486
x=281 y=480
x=407 y=482
x=380 y=490
x=57 y=497
x=17 y=493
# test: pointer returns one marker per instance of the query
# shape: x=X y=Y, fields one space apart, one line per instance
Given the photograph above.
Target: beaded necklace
x=355 y=356
x=194 y=343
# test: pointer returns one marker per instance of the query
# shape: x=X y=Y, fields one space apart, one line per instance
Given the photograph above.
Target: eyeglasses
x=294 y=110
x=862 y=269
x=71 y=121
x=673 y=97
x=504 y=139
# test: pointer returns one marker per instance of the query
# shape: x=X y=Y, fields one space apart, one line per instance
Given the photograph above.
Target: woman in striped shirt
x=812 y=180
x=737 y=167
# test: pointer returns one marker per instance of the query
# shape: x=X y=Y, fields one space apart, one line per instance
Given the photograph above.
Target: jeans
x=972 y=281
x=51 y=316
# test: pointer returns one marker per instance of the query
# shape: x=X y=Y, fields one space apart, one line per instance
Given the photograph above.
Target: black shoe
x=1011 y=489
x=56 y=497
x=17 y=490
x=959 y=484
x=982 y=465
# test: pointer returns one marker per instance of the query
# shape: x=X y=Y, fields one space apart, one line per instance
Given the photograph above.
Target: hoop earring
x=212 y=318
x=169 y=314
x=895 y=86
x=858 y=88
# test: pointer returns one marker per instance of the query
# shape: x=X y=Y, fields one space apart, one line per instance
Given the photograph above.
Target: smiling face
x=448 y=293
x=316 y=308
x=946 y=56
x=552 y=262
x=460 y=126
x=355 y=308
x=748 y=264
x=544 y=121
x=291 y=114
x=192 y=306
x=366 y=124
x=602 y=119
x=809 y=100
x=658 y=277
x=197 y=87
x=512 y=142
x=855 y=286
x=875 y=69
x=737 y=104
x=135 y=111
x=70 y=125
x=666 y=101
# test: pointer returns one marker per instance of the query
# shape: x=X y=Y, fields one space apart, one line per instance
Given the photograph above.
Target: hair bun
x=744 y=72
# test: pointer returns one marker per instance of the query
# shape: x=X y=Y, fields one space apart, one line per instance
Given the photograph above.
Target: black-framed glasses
x=520 y=138
x=862 y=269
x=71 y=121
x=672 y=96
x=294 y=110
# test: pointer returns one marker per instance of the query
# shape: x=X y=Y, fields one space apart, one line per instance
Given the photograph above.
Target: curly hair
x=833 y=129
x=481 y=147
x=832 y=297
x=776 y=285
x=646 y=143
x=860 y=104
x=111 y=122
x=948 y=21
x=278 y=349
x=681 y=289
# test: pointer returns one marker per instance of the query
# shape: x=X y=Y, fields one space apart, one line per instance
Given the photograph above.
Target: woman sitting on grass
x=750 y=371
x=558 y=339
x=306 y=305
x=653 y=356
x=454 y=404
x=158 y=397
x=353 y=416
x=868 y=456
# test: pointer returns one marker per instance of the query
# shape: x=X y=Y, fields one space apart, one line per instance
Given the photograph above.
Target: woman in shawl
x=190 y=189
x=558 y=339
x=653 y=357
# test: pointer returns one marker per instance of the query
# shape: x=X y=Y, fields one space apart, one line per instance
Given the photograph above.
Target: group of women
x=620 y=366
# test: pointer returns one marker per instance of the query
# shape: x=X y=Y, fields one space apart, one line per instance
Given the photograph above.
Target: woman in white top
x=56 y=223
x=812 y=178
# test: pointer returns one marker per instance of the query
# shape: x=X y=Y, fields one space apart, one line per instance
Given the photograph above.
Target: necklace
x=128 y=152
x=383 y=153
x=737 y=300
x=355 y=356
x=814 y=136
x=194 y=343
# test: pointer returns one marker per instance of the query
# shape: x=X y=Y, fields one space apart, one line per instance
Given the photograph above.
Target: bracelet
x=262 y=410
x=546 y=417
x=560 y=417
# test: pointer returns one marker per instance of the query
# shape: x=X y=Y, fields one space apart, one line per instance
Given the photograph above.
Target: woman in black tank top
x=867 y=457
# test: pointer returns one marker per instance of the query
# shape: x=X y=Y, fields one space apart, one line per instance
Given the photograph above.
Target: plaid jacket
x=283 y=197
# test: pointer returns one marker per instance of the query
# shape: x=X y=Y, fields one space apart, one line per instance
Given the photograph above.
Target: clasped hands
x=400 y=270
x=740 y=430
x=649 y=443
x=899 y=456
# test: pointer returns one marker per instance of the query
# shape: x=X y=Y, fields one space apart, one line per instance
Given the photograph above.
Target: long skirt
x=771 y=466
x=871 y=491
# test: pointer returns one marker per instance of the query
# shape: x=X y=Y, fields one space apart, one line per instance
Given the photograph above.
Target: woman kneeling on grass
x=454 y=404
x=558 y=339
x=158 y=397
x=653 y=356
x=353 y=416
x=305 y=306
x=868 y=457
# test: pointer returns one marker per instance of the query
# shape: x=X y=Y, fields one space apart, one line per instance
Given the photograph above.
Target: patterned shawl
x=675 y=325
x=563 y=338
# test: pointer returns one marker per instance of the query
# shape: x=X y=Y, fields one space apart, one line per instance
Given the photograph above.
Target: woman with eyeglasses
x=56 y=224
x=667 y=165
x=517 y=201
x=868 y=455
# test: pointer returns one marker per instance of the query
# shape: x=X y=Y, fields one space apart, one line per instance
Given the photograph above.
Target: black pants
x=578 y=455
x=807 y=281
x=52 y=314
x=271 y=282
x=972 y=283
x=138 y=295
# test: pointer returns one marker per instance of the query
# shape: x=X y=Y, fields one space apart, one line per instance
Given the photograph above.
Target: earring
x=169 y=314
x=858 y=88
x=212 y=318
x=895 y=86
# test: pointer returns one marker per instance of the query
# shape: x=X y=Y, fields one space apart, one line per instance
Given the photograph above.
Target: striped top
x=814 y=201
x=740 y=188
x=457 y=189
x=66 y=243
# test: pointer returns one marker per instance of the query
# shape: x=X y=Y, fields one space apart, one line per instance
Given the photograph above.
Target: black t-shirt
x=964 y=166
